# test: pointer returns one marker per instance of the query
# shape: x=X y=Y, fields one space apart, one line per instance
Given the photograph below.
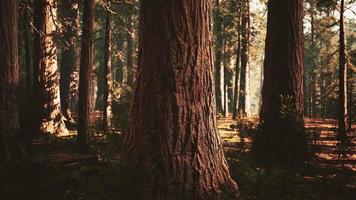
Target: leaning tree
x=173 y=145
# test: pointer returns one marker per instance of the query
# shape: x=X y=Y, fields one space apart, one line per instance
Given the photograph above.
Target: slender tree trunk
x=219 y=81
x=282 y=130
x=130 y=52
x=27 y=43
x=342 y=77
x=108 y=73
x=226 y=81
x=46 y=69
x=350 y=96
x=237 y=67
x=313 y=110
x=86 y=74
x=173 y=145
x=70 y=59
x=244 y=55
x=27 y=30
x=9 y=77
x=119 y=69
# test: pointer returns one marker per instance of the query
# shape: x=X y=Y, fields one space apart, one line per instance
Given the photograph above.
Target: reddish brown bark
x=281 y=115
x=86 y=74
x=9 y=76
x=173 y=145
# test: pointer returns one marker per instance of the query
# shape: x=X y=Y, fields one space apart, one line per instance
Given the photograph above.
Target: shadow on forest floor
x=57 y=171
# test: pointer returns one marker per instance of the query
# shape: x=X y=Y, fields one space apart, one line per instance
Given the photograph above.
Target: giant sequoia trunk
x=108 y=73
x=245 y=40
x=173 y=145
x=70 y=58
x=46 y=91
x=9 y=76
x=282 y=136
x=86 y=74
x=342 y=77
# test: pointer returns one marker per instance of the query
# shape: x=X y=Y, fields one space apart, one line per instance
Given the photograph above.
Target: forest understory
x=55 y=169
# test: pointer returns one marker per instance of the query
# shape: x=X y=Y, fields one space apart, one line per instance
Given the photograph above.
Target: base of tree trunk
x=281 y=139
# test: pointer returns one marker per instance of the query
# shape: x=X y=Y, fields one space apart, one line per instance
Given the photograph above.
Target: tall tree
x=108 y=71
x=312 y=86
x=86 y=74
x=70 y=58
x=9 y=76
x=173 y=145
x=130 y=51
x=245 y=40
x=282 y=129
x=46 y=72
x=219 y=70
x=237 y=66
x=342 y=76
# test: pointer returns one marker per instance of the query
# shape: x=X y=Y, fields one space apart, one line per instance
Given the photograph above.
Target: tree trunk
x=50 y=119
x=108 y=73
x=342 y=77
x=313 y=85
x=130 y=52
x=173 y=145
x=237 y=67
x=350 y=98
x=86 y=74
x=70 y=59
x=9 y=77
x=282 y=129
x=245 y=29
x=27 y=30
x=219 y=80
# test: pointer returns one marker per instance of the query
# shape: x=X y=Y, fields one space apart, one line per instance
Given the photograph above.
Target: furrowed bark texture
x=9 y=76
x=173 y=145
x=282 y=93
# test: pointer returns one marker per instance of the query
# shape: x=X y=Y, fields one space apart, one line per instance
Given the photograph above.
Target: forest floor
x=58 y=171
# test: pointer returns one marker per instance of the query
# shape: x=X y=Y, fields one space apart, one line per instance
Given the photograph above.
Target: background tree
x=86 y=74
x=46 y=72
x=282 y=129
x=108 y=70
x=342 y=76
x=218 y=45
x=172 y=145
x=70 y=57
x=245 y=41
